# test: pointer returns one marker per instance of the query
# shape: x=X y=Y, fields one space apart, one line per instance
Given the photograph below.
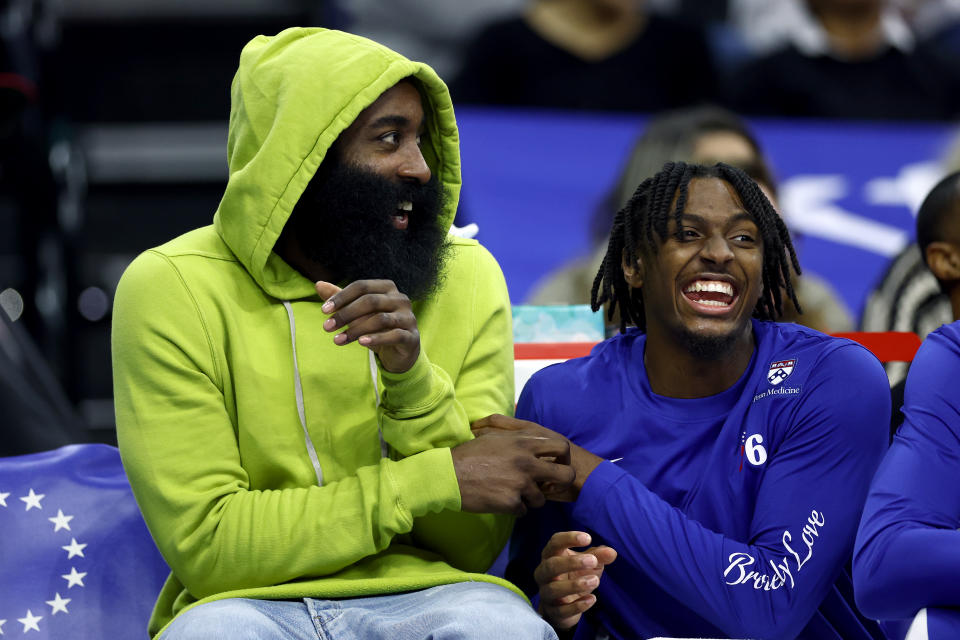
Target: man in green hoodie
x=295 y=383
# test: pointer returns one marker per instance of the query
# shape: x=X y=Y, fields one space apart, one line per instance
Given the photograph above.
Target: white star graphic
x=2 y=622
x=74 y=548
x=33 y=500
x=58 y=604
x=3 y=503
x=61 y=521
x=30 y=621
x=74 y=578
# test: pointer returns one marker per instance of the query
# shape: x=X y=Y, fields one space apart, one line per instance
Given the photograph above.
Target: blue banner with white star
x=76 y=559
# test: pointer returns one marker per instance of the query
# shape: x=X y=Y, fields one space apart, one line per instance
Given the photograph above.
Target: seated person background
x=295 y=429
x=588 y=54
x=938 y=236
x=850 y=59
x=724 y=457
x=908 y=547
x=702 y=135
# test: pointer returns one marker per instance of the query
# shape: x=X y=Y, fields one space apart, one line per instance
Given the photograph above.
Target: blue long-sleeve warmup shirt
x=734 y=514
x=907 y=554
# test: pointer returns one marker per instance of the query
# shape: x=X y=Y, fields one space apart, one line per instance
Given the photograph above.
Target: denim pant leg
x=462 y=611
x=243 y=619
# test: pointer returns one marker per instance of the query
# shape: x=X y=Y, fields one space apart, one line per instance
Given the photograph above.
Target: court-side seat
x=76 y=559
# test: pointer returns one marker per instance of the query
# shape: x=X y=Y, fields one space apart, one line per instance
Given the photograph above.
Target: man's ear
x=943 y=258
x=632 y=273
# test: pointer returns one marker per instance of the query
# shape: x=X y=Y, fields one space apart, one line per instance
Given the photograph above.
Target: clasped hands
x=556 y=470
x=509 y=466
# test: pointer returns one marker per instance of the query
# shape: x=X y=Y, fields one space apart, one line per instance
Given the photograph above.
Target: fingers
x=564 y=567
x=374 y=312
x=532 y=496
x=337 y=299
x=555 y=477
x=604 y=554
x=326 y=290
x=564 y=616
x=567 y=578
x=379 y=329
x=506 y=423
x=563 y=541
x=565 y=592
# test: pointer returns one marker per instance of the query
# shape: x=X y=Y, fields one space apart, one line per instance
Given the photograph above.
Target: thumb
x=325 y=289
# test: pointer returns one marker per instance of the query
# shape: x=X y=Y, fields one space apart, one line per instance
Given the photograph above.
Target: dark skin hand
x=377 y=316
x=567 y=578
x=582 y=461
x=503 y=472
x=498 y=474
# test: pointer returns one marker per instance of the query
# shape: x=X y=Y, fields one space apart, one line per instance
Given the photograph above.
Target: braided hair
x=648 y=212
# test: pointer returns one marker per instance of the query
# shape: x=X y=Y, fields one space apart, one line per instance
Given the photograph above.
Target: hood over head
x=292 y=96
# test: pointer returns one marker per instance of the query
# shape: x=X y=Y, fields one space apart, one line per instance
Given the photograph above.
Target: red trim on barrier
x=551 y=350
x=888 y=346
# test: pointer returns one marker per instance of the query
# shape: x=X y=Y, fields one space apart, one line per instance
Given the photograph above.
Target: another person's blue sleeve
x=802 y=522
x=907 y=554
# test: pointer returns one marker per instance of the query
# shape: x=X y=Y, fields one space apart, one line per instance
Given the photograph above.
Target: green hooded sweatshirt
x=250 y=439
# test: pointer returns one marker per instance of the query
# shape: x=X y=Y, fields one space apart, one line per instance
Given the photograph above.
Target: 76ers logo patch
x=780 y=370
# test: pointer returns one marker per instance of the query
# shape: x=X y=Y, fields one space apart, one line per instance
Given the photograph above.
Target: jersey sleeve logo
x=780 y=370
x=752 y=449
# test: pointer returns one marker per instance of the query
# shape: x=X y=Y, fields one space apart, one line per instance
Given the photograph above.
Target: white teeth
x=710 y=285
x=713 y=303
x=405 y=206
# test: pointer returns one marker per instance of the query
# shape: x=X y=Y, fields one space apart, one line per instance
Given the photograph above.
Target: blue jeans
x=450 y=612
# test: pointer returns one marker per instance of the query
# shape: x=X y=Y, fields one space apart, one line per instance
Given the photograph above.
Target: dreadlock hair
x=648 y=211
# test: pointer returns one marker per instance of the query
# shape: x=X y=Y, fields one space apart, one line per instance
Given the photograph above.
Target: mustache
x=344 y=221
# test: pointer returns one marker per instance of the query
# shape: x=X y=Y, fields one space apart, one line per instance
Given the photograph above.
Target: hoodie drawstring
x=298 y=389
x=384 y=452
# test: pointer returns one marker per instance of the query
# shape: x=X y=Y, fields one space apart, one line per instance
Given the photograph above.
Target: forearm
x=768 y=588
x=917 y=568
x=420 y=411
x=220 y=538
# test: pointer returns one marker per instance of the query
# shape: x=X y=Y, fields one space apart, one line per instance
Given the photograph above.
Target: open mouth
x=711 y=296
x=401 y=219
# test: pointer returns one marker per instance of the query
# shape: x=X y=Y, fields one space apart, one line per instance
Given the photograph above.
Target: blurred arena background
x=113 y=140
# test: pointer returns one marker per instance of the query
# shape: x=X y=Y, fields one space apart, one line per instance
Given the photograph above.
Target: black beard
x=709 y=347
x=343 y=222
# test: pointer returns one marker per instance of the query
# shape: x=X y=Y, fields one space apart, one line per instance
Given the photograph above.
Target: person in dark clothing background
x=588 y=54
x=851 y=59
x=938 y=236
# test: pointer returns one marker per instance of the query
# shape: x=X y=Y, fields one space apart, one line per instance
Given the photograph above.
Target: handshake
x=513 y=465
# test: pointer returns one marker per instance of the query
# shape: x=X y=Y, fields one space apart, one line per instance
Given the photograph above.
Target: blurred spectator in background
x=704 y=135
x=767 y=25
x=433 y=31
x=909 y=298
x=906 y=553
x=937 y=251
x=849 y=59
x=588 y=54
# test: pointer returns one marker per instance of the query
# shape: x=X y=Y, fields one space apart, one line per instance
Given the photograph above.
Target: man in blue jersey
x=908 y=548
x=725 y=458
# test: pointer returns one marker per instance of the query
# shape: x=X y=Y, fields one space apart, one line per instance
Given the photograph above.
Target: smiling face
x=701 y=285
x=373 y=210
x=385 y=139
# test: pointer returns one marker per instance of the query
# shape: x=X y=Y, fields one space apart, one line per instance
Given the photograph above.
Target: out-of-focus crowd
x=874 y=59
